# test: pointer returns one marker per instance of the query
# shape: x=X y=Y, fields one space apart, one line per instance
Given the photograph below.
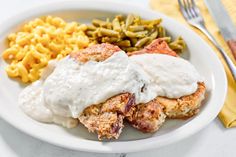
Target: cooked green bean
x=137 y=19
x=135 y=34
x=91 y=28
x=178 y=45
x=108 y=24
x=136 y=28
x=152 y=22
x=130 y=49
x=154 y=35
x=107 y=32
x=175 y=46
x=109 y=40
x=123 y=43
x=120 y=17
x=90 y=33
x=130 y=32
x=133 y=41
x=141 y=34
x=98 y=23
x=142 y=42
x=129 y=20
x=167 y=39
x=161 y=32
x=116 y=25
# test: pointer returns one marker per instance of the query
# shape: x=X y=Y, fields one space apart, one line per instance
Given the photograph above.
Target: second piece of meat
x=106 y=119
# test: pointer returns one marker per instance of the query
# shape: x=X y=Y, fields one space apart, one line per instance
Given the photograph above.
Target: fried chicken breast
x=106 y=119
x=184 y=107
x=147 y=117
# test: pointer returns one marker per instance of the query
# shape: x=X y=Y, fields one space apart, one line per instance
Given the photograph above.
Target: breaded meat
x=99 y=52
x=106 y=119
x=184 y=107
x=147 y=117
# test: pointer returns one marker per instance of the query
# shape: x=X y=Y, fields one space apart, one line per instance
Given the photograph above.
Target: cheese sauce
x=73 y=86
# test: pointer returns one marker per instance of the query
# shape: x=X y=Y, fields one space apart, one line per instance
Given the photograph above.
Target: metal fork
x=192 y=15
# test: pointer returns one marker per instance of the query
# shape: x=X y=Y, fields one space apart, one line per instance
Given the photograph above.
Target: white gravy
x=73 y=86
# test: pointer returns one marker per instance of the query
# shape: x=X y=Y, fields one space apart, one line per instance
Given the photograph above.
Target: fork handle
x=229 y=62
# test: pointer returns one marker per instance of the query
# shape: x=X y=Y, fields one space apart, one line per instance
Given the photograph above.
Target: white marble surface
x=214 y=140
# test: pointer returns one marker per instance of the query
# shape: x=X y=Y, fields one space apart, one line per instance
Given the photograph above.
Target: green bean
x=137 y=19
x=175 y=46
x=141 y=34
x=136 y=34
x=109 y=24
x=130 y=32
x=107 y=32
x=130 y=49
x=154 y=35
x=152 y=22
x=178 y=44
x=161 y=32
x=91 y=28
x=167 y=39
x=142 y=42
x=120 y=17
x=109 y=40
x=122 y=35
x=98 y=23
x=107 y=20
x=116 y=25
x=90 y=33
x=129 y=20
x=123 y=43
x=133 y=41
x=149 y=27
x=136 y=28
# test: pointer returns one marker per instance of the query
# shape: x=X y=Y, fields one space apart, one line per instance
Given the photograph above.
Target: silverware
x=227 y=28
x=192 y=15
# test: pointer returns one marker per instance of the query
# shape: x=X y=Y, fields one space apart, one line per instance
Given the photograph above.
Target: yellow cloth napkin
x=171 y=8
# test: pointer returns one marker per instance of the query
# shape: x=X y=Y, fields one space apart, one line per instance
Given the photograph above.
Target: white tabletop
x=214 y=140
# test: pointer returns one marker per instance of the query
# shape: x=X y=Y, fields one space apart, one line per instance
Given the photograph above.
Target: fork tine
x=195 y=8
x=188 y=8
x=193 y=2
x=183 y=9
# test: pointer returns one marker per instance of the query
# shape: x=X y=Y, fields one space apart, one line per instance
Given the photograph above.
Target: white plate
x=198 y=53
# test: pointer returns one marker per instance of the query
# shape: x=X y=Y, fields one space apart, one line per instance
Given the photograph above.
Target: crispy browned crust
x=107 y=118
x=147 y=117
x=98 y=52
x=184 y=107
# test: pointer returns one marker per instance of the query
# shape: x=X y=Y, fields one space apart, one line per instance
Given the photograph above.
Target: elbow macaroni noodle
x=40 y=41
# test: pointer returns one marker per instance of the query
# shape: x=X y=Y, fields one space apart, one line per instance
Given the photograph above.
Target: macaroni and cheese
x=40 y=41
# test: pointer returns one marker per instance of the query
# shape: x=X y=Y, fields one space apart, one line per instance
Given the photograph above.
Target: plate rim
x=119 y=146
